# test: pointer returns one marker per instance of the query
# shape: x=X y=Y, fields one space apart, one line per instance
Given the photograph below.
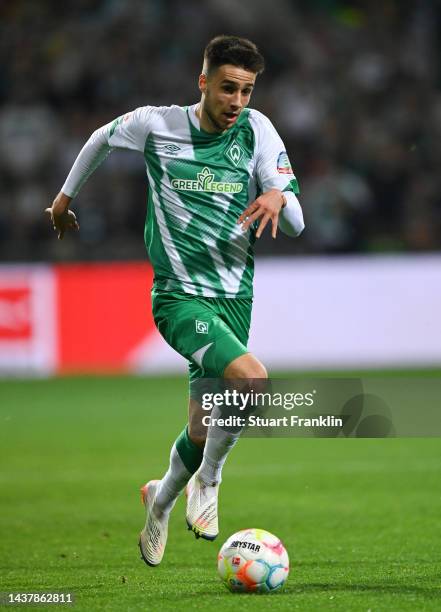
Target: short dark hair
x=233 y=50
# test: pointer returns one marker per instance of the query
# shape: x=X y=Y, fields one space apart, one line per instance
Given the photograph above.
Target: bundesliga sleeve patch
x=283 y=164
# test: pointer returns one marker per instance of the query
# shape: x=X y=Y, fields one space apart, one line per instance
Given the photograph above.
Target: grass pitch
x=360 y=518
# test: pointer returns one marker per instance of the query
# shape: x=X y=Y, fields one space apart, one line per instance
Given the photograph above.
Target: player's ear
x=202 y=82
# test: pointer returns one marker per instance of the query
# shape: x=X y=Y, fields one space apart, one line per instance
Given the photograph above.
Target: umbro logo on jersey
x=168 y=148
x=235 y=153
x=201 y=327
x=205 y=182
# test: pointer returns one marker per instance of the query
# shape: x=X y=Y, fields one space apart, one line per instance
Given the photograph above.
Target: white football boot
x=153 y=537
x=202 y=508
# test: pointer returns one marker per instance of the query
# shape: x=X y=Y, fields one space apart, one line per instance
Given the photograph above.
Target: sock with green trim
x=219 y=443
x=217 y=447
x=185 y=458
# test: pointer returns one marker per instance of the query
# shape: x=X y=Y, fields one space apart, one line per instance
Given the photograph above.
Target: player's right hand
x=61 y=217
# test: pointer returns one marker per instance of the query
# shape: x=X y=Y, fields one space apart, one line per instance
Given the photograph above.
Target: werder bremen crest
x=235 y=153
x=205 y=182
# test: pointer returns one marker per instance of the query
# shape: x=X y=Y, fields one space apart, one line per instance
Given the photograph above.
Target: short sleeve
x=273 y=168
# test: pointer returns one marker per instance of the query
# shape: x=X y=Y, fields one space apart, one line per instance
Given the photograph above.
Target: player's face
x=225 y=93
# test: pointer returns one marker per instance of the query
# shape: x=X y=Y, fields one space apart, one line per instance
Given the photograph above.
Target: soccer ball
x=253 y=561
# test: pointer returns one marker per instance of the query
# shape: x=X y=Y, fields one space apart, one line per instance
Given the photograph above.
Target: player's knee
x=246 y=366
x=258 y=370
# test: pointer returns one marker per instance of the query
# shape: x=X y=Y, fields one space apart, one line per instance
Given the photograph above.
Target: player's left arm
x=278 y=202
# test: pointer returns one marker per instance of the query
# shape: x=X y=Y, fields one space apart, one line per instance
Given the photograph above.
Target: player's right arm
x=129 y=131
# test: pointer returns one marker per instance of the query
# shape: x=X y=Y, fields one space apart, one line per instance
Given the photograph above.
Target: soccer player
x=218 y=174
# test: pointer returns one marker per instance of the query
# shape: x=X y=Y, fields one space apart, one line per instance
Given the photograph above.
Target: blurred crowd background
x=354 y=89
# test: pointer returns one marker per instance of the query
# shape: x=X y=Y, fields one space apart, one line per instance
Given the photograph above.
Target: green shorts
x=208 y=332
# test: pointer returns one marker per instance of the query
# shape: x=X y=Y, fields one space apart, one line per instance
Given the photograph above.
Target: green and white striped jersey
x=199 y=184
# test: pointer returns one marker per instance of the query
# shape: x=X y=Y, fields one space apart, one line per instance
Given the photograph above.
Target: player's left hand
x=268 y=206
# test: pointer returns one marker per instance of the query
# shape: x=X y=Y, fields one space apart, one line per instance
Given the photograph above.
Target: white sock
x=172 y=483
x=219 y=443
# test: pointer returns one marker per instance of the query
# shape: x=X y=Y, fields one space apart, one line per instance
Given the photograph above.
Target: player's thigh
x=195 y=329
x=238 y=315
x=235 y=317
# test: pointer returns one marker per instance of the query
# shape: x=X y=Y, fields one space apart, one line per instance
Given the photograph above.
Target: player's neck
x=205 y=121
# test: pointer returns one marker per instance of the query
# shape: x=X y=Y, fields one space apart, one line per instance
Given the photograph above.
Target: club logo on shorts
x=235 y=153
x=283 y=164
x=201 y=327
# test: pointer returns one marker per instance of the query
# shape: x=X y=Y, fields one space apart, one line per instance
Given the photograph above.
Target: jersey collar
x=194 y=120
x=193 y=117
